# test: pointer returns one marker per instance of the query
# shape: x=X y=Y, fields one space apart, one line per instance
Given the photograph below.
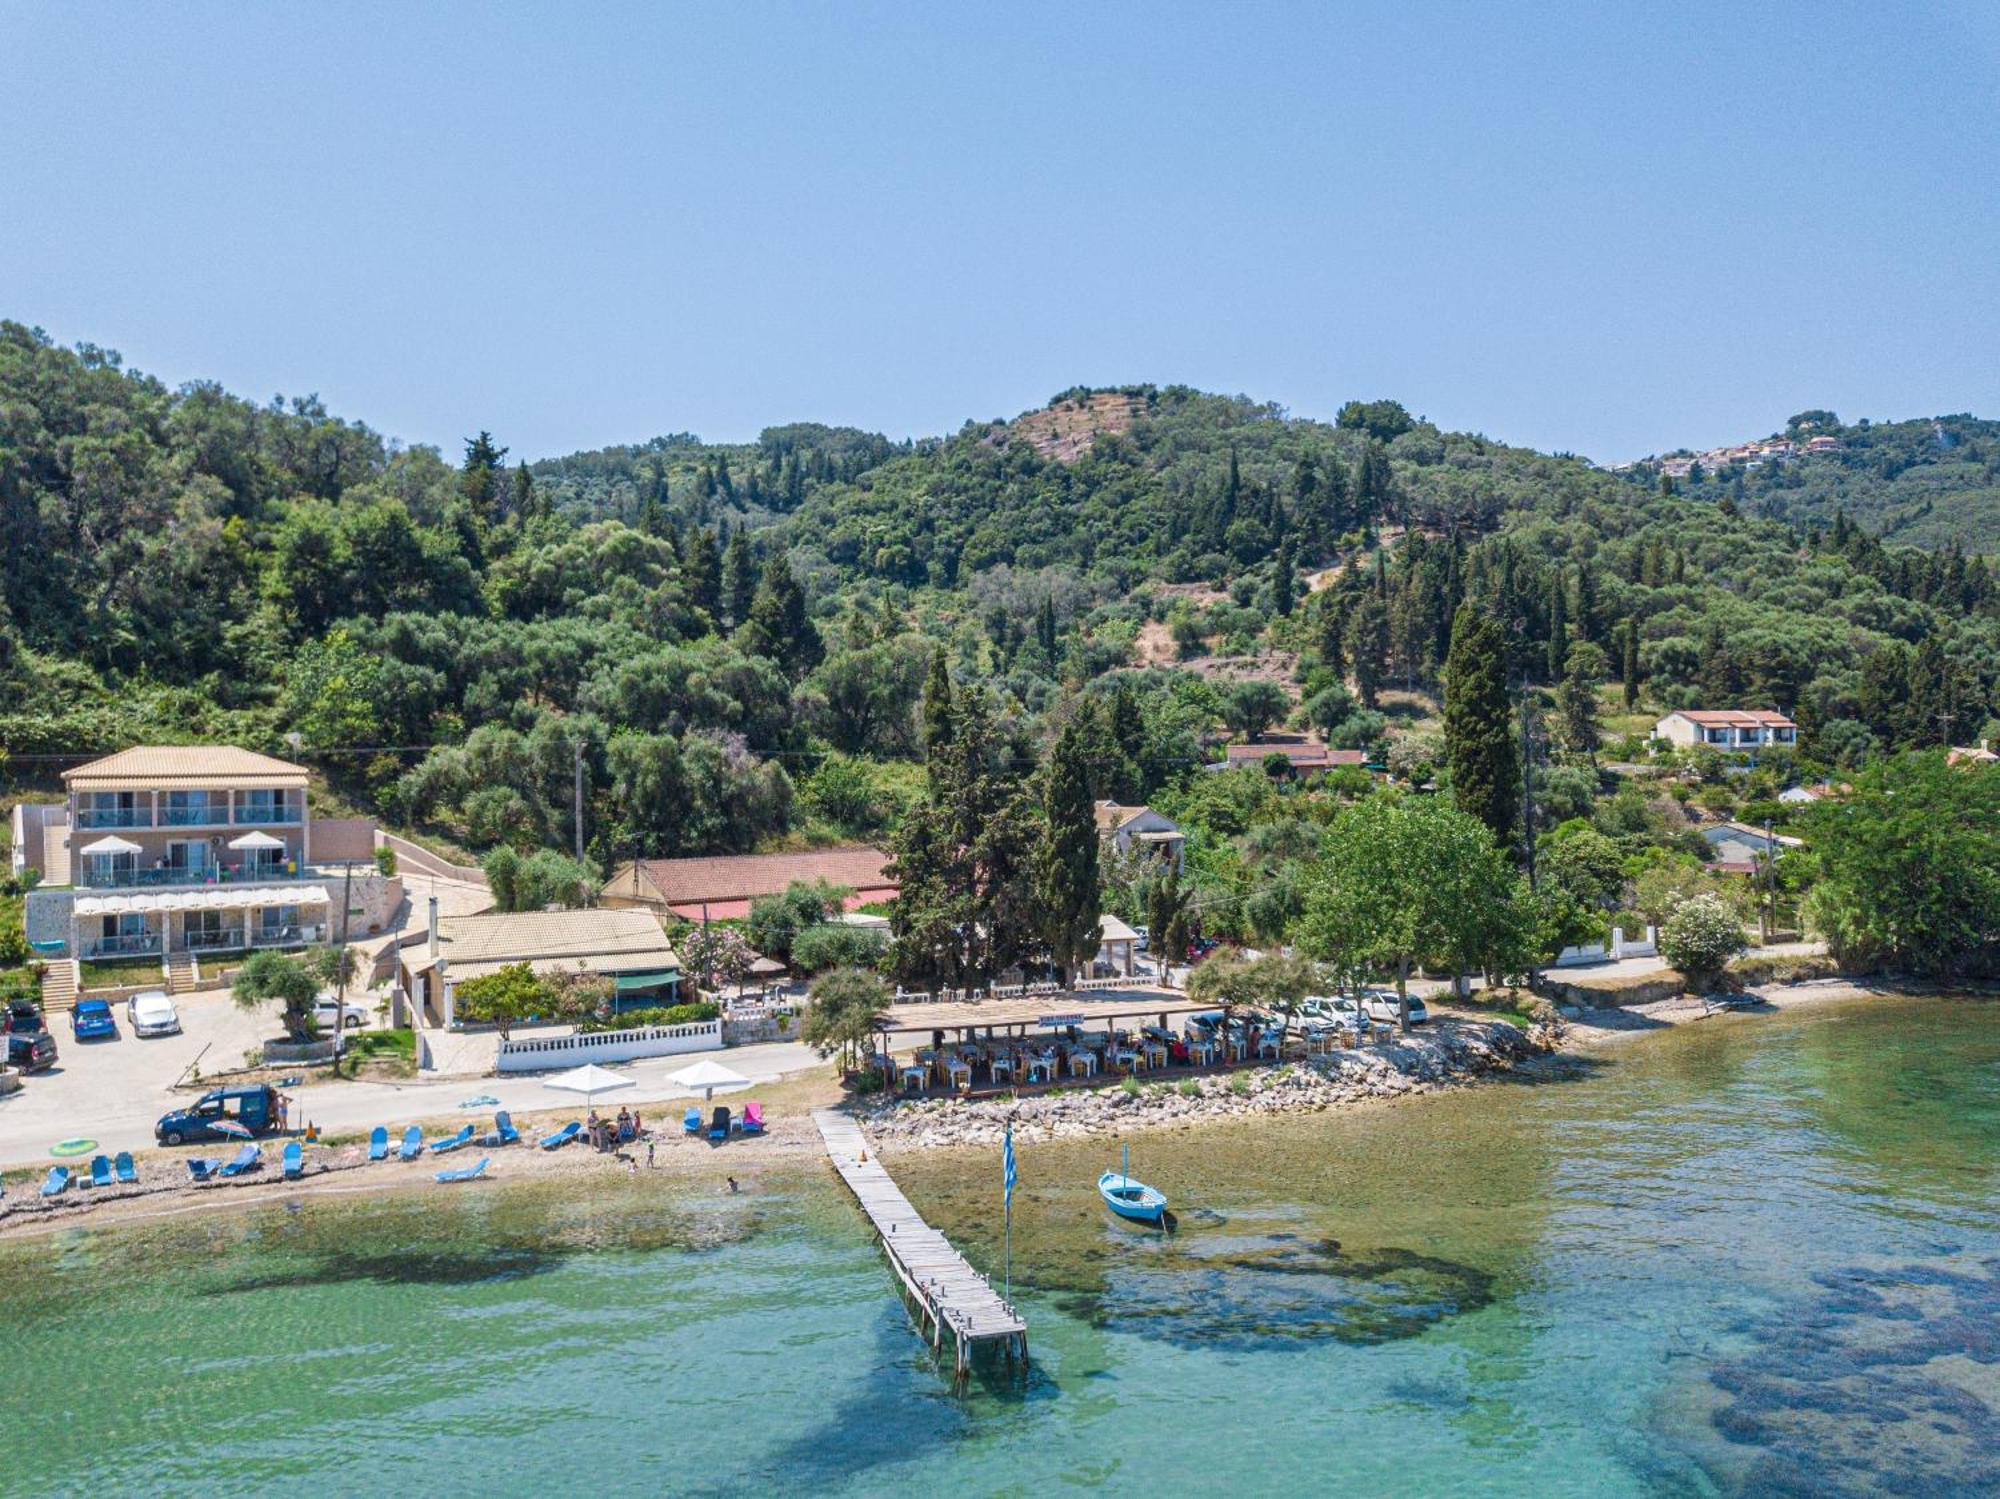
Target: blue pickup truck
x=260 y=1109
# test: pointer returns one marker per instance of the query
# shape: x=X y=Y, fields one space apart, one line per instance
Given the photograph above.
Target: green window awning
x=632 y=983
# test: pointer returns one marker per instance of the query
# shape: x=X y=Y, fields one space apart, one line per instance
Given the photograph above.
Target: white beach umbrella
x=256 y=840
x=708 y=1076
x=589 y=1081
x=111 y=845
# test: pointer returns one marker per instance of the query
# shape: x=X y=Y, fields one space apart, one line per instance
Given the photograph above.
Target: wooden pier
x=944 y=1292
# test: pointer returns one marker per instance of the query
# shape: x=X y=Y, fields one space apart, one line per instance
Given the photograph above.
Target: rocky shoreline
x=1449 y=1053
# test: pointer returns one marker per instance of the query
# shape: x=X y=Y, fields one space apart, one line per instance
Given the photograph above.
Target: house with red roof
x=717 y=889
x=1727 y=728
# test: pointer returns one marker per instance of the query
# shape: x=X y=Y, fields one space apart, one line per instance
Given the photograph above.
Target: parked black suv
x=30 y=1051
x=22 y=1016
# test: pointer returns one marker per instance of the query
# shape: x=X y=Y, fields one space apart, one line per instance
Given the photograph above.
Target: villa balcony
x=125 y=945
x=241 y=873
x=237 y=938
x=263 y=816
x=114 y=817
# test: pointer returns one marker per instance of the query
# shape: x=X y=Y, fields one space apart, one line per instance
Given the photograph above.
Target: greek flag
x=1007 y=1165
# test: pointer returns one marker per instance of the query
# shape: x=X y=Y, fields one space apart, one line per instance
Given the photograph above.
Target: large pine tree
x=1478 y=725
x=1068 y=873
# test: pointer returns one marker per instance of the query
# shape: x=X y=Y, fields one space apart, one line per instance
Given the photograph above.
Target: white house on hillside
x=1727 y=728
x=1140 y=828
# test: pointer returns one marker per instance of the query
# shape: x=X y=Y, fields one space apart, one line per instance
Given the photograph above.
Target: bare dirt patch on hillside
x=1066 y=430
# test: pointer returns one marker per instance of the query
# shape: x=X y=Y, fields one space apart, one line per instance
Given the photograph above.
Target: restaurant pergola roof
x=950 y=1015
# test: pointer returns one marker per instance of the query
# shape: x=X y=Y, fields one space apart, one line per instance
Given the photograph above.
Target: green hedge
x=633 y=1020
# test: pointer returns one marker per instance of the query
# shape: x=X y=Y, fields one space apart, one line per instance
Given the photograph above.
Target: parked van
x=259 y=1109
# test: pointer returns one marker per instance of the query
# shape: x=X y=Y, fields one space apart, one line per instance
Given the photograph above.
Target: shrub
x=1701 y=936
x=834 y=944
x=385 y=862
x=632 y=1020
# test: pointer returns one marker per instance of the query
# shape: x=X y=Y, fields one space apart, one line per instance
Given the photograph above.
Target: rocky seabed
x=1450 y=1054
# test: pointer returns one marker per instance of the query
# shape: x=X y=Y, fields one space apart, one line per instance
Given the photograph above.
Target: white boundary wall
x=551 y=1053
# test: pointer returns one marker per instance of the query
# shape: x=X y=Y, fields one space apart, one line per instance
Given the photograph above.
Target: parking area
x=105 y=1088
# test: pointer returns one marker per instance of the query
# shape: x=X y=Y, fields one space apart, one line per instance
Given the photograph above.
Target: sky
x=1610 y=230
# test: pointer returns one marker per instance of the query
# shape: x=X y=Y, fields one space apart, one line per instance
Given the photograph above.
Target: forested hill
x=736 y=637
x=1933 y=482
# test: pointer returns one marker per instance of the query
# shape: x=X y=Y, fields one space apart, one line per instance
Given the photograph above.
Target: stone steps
x=59 y=985
x=182 y=973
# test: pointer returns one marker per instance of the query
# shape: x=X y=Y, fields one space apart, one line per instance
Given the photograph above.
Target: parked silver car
x=152 y=1013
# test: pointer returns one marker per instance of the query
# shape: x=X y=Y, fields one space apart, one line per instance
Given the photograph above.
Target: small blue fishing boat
x=1128 y=1198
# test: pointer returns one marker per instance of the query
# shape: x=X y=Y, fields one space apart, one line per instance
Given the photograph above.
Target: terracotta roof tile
x=747 y=876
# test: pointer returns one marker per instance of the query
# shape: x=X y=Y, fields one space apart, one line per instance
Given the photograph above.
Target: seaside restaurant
x=963 y=1047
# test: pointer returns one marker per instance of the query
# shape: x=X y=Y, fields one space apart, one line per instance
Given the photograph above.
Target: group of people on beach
x=609 y=1134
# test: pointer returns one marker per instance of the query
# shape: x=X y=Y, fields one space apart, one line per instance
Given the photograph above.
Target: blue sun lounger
x=504 y=1132
x=247 y=1159
x=452 y=1142
x=100 y=1171
x=378 y=1144
x=58 y=1182
x=122 y=1167
x=465 y=1173
x=563 y=1136
x=201 y=1168
x=412 y=1146
x=295 y=1160
x=691 y=1121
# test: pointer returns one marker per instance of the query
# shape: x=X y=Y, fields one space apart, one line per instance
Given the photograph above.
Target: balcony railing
x=204 y=874
x=262 y=814
x=114 y=817
x=125 y=945
x=215 y=815
x=227 y=937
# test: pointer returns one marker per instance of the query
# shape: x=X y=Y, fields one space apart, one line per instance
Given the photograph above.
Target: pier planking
x=949 y=1293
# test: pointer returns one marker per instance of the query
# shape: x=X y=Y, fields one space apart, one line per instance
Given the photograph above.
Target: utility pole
x=1770 y=882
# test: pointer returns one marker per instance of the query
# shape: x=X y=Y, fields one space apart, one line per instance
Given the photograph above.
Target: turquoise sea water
x=1755 y=1256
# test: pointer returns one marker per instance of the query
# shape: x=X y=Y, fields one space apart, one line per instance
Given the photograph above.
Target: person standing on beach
x=649 y=1155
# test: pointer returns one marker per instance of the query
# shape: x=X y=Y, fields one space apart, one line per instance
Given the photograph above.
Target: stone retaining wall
x=1445 y=1053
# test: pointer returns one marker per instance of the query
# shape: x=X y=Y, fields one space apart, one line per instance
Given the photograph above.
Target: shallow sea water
x=1753 y=1256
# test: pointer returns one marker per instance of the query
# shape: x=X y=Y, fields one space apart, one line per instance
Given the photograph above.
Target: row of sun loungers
x=719 y=1124
x=105 y=1171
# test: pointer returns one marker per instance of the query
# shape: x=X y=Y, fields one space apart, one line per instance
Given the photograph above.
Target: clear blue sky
x=1609 y=229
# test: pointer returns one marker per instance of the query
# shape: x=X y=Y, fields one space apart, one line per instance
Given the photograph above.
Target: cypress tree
x=779 y=626
x=701 y=570
x=1558 y=627
x=1629 y=668
x=739 y=577
x=1045 y=627
x=937 y=706
x=1478 y=724
x=1069 y=884
x=1332 y=635
x=1286 y=577
x=1368 y=645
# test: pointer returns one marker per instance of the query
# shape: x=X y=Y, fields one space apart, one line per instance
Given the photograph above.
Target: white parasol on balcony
x=112 y=845
x=256 y=840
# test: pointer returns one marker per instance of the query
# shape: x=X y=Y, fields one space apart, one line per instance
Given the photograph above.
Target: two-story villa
x=196 y=849
x=1728 y=729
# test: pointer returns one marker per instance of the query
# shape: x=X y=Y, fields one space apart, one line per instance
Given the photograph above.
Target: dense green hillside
x=1933 y=482
x=736 y=638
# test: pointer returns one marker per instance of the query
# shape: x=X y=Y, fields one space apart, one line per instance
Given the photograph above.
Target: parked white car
x=152 y=1013
x=1380 y=1004
x=351 y=1016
